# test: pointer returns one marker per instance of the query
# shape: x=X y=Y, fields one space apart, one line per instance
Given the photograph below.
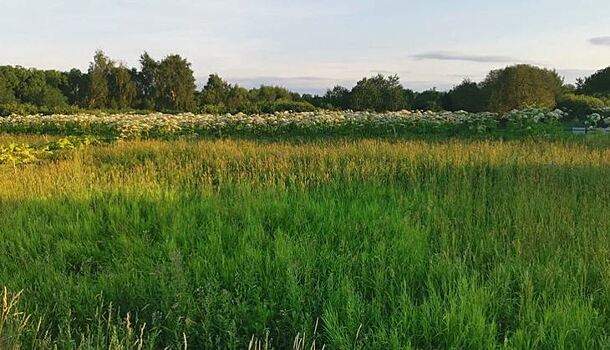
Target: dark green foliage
x=283 y=105
x=597 y=84
x=146 y=82
x=7 y=94
x=99 y=74
x=218 y=95
x=175 y=84
x=216 y=91
x=51 y=97
x=522 y=86
x=338 y=98
x=169 y=85
x=110 y=85
x=466 y=96
x=32 y=86
x=379 y=94
x=122 y=88
x=272 y=93
x=429 y=100
x=76 y=87
x=7 y=109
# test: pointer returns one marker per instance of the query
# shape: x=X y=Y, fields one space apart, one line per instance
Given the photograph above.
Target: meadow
x=348 y=242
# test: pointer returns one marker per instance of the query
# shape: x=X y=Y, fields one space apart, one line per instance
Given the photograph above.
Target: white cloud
x=449 y=56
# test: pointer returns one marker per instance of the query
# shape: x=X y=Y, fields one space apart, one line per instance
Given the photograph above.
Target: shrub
x=287 y=105
x=579 y=106
x=7 y=109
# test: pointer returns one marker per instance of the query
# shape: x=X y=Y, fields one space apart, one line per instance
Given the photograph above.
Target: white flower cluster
x=600 y=118
x=158 y=125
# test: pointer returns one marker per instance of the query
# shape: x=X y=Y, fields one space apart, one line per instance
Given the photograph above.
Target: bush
x=7 y=109
x=579 y=106
x=287 y=105
x=213 y=109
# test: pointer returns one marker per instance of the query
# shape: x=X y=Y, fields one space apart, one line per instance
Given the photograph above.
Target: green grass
x=386 y=245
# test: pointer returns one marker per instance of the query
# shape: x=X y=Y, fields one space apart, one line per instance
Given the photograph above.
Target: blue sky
x=314 y=44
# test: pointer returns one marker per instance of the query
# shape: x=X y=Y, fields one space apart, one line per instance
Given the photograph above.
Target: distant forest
x=168 y=85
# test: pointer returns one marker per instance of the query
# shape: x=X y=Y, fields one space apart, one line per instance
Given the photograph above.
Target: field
x=164 y=239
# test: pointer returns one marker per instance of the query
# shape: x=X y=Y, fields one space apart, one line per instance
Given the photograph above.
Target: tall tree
x=99 y=73
x=76 y=87
x=596 y=84
x=146 y=82
x=175 y=84
x=121 y=87
x=215 y=91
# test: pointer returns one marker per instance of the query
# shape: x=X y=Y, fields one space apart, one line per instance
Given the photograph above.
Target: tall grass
x=346 y=244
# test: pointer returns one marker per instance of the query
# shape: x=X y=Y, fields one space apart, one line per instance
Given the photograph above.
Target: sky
x=311 y=45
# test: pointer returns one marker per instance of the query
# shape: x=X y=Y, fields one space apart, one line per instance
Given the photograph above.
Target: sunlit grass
x=382 y=244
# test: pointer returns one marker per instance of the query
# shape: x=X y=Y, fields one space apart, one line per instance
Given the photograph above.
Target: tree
x=146 y=82
x=175 y=84
x=409 y=98
x=216 y=91
x=29 y=85
x=429 y=100
x=467 y=96
x=122 y=89
x=7 y=80
x=99 y=73
x=522 y=86
x=51 y=94
x=269 y=94
x=6 y=94
x=271 y=99
x=338 y=97
x=596 y=84
x=237 y=100
x=317 y=100
x=33 y=86
x=378 y=93
x=50 y=97
x=220 y=96
x=76 y=87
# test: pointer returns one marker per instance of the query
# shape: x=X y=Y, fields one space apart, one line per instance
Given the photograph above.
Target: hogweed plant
x=165 y=126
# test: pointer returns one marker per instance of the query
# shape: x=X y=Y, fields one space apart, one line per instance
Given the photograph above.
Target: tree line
x=169 y=85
